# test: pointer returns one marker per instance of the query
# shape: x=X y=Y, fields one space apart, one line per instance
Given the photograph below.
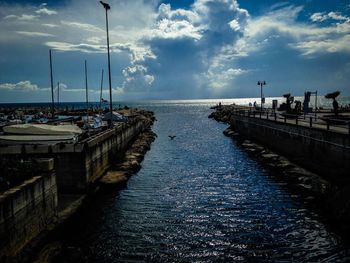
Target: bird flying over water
x=172 y=137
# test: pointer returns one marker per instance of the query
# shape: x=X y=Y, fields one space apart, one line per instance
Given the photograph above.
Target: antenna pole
x=101 y=90
x=86 y=88
x=52 y=97
x=58 y=94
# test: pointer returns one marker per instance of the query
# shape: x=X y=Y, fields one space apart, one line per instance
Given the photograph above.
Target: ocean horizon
x=321 y=102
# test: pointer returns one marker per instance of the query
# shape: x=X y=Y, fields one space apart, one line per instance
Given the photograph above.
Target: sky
x=174 y=49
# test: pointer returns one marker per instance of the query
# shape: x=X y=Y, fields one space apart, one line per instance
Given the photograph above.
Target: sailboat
x=42 y=133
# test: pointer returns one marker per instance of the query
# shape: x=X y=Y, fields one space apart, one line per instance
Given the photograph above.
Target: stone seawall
x=80 y=165
x=26 y=211
x=78 y=169
x=322 y=151
x=314 y=162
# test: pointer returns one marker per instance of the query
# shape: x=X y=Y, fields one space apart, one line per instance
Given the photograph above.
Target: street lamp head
x=259 y=82
x=264 y=83
x=105 y=5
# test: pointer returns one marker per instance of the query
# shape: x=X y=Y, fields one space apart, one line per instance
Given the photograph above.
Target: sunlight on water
x=321 y=102
x=200 y=198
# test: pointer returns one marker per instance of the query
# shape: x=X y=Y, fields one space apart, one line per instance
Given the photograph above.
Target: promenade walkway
x=311 y=120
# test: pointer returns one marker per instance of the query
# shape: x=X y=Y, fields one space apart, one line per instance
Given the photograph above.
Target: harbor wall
x=79 y=165
x=325 y=152
x=78 y=170
x=26 y=211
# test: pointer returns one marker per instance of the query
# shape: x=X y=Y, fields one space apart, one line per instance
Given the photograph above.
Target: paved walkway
x=302 y=120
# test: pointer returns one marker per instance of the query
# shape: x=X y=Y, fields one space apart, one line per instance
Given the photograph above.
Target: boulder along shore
x=47 y=247
x=328 y=198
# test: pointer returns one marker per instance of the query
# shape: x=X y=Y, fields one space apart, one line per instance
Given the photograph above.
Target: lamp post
x=107 y=7
x=261 y=84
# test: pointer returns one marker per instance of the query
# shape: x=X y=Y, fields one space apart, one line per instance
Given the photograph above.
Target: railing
x=305 y=120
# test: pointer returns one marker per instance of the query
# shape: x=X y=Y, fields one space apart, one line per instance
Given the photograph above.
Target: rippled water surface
x=201 y=198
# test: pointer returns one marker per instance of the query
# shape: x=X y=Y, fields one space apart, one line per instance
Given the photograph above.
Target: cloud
x=46 y=11
x=22 y=17
x=34 y=34
x=82 y=26
x=82 y=47
x=320 y=17
x=26 y=86
x=306 y=38
x=158 y=51
x=136 y=77
x=313 y=47
x=189 y=46
x=50 y=25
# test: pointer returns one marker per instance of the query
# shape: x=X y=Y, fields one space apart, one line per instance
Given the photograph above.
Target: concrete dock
x=313 y=143
x=48 y=200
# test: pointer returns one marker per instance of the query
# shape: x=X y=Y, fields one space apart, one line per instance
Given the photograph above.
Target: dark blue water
x=200 y=198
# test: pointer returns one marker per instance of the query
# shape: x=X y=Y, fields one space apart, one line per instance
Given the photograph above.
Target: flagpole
x=101 y=90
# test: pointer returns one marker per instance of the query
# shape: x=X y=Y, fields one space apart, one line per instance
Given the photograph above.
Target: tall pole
x=58 y=94
x=52 y=97
x=101 y=90
x=316 y=105
x=86 y=91
x=107 y=7
x=261 y=85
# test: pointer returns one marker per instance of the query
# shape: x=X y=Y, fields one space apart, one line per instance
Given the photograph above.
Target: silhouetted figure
x=307 y=96
x=297 y=107
x=332 y=96
x=335 y=107
x=289 y=101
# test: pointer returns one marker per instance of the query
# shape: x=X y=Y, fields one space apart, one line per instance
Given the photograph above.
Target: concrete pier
x=325 y=150
x=25 y=211
x=312 y=159
x=45 y=202
x=79 y=165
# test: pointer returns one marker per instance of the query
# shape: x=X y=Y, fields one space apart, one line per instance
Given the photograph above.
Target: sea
x=201 y=198
x=319 y=102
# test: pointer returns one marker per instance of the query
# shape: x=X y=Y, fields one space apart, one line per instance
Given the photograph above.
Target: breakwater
x=77 y=170
x=324 y=153
x=199 y=197
x=27 y=210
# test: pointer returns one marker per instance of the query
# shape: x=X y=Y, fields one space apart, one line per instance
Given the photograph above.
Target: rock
x=49 y=252
x=114 y=178
x=251 y=150
x=284 y=164
x=269 y=156
x=226 y=131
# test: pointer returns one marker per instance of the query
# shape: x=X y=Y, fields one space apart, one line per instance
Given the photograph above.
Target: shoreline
x=331 y=198
x=130 y=143
x=46 y=248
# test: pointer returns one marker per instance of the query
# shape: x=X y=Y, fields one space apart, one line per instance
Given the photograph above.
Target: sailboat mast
x=86 y=88
x=101 y=90
x=52 y=96
x=58 y=94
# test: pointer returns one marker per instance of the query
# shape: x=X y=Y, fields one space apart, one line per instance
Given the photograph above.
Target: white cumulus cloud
x=46 y=11
x=25 y=85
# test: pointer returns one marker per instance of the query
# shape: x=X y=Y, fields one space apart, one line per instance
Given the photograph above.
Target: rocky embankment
x=120 y=172
x=131 y=163
x=48 y=247
x=329 y=198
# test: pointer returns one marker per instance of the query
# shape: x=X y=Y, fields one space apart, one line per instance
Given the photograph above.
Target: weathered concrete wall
x=25 y=211
x=81 y=164
x=77 y=171
x=326 y=152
